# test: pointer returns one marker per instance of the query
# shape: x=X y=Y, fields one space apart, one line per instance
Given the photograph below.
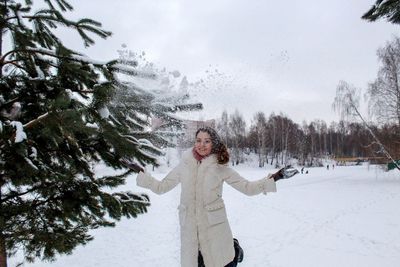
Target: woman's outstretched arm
x=247 y=187
x=172 y=179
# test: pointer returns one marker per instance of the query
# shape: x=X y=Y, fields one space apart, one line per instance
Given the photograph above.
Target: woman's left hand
x=278 y=175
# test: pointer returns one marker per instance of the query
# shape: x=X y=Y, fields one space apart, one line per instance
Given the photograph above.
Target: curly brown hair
x=217 y=147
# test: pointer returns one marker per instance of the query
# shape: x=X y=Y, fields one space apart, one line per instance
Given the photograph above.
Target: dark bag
x=238 y=251
x=238 y=255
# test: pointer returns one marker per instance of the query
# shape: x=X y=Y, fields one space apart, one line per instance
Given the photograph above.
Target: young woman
x=206 y=237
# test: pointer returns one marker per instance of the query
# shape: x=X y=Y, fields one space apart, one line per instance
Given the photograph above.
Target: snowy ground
x=344 y=217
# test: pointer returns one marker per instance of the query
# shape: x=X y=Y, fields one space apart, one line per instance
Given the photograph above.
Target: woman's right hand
x=132 y=165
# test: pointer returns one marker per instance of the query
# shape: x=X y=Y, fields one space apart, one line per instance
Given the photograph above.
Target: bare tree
x=288 y=127
x=346 y=103
x=272 y=125
x=260 y=127
x=223 y=127
x=313 y=136
x=384 y=92
x=237 y=125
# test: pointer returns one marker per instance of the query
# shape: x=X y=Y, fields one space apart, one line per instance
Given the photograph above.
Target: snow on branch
x=187 y=107
x=78 y=97
x=104 y=112
x=20 y=135
x=133 y=71
x=128 y=196
x=145 y=143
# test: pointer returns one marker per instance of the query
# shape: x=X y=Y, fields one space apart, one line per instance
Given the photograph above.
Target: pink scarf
x=197 y=156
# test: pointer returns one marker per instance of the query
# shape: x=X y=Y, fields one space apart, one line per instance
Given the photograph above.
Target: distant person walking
x=206 y=237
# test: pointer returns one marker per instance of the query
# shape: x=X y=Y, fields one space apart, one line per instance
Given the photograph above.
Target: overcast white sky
x=275 y=56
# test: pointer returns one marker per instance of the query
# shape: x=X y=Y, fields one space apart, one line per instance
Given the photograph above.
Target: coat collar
x=189 y=158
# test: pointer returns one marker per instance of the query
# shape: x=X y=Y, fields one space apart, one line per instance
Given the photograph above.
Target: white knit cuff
x=269 y=185
x=143 y=180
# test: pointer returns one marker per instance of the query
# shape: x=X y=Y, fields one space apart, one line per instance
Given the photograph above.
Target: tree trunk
x=3 y=254
x=1 y=51
x=3 y=14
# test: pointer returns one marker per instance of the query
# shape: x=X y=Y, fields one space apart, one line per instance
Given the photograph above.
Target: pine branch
x=389 y=9
x=64 y=5
x=3 y=57
x=53 y=17
x=15 y=194
x=35 y=121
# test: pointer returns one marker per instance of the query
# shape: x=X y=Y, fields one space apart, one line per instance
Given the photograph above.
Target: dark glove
x=132 y=165
x=278 y=175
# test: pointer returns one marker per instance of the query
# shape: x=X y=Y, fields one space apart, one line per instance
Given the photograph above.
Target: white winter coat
x=202 y=214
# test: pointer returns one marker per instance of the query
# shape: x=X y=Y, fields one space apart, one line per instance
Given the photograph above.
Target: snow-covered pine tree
x=61 y=112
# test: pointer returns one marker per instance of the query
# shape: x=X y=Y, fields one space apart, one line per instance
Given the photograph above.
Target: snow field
x=343 y=217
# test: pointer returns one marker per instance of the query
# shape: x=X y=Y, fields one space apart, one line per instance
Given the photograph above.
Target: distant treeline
x=276 y=139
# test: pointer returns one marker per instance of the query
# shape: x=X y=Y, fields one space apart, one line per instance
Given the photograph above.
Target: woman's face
x=203 y=144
